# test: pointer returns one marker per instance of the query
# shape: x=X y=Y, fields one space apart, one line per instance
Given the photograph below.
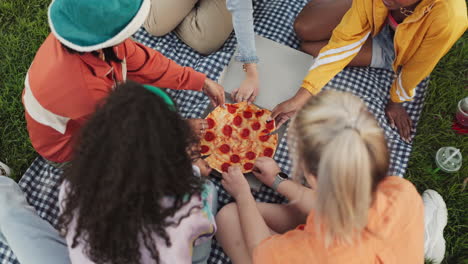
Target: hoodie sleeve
x=345 y=43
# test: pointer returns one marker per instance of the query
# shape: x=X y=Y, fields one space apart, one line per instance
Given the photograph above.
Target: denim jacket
x=242 y=20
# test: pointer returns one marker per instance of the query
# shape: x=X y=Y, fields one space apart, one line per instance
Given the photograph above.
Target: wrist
x=250 y=69
x=272 y=178
x=279 y=178
x=302 y=96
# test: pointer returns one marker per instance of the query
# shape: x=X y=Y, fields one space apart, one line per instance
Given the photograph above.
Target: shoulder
x=398 y=190
x=448 y=16
x=398 y=204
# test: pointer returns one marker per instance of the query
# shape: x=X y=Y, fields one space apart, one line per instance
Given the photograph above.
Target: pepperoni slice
x=259 y=113
x=227 y=130
x=270 y=125
x=225 y=148
x=256 y=126
x=251 y=155
x=247 y=114
x=235 y=158
x=268 y=152
x=204 y=149
x=225 y=166
x=264 y=138
x=245 y=133
x=265 y=131
x=231 y=108
x=237 y=121
x=211 y=123
x=209 y=136
x=248 y=166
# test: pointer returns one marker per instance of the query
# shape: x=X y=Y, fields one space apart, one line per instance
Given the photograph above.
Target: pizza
x=238 y=135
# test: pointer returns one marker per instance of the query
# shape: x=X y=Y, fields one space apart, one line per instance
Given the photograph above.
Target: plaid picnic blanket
x=274 y=20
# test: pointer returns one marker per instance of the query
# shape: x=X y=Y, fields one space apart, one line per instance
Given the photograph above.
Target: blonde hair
x=336 y=139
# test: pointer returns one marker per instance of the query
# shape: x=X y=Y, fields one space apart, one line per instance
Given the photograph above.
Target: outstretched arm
x=242 y=20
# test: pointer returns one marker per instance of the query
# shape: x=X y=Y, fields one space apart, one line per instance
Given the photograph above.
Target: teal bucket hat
x=89 y=25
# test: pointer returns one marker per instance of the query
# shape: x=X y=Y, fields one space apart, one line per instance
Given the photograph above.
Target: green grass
x=23 y=27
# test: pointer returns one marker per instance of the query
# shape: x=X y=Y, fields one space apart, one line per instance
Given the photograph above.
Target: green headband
x=157 y=91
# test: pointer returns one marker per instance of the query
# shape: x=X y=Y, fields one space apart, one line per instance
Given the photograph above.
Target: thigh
x=165 y=15
x=318 y=18
x=207 y=26
x=281 y=218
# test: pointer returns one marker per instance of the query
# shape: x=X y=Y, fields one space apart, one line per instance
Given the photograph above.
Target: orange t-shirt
x=394 y=234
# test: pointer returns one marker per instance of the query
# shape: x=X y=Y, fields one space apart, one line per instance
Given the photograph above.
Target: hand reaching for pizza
x=214 y=91
x=248 y=90
x=234 y=182
x=198 y=126
x=266 y=169
x=287 y=109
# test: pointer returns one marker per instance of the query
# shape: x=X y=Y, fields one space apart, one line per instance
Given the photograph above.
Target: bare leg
x=363 y=58
x=318 y=18
x=280 y=218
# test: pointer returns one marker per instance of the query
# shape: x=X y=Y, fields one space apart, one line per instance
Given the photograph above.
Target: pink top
x=391 y=21
x=193 y=230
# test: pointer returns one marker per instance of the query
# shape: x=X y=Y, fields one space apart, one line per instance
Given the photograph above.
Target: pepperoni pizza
x=238 y=134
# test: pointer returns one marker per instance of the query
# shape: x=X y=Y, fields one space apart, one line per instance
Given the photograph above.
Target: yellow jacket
x=420 y=42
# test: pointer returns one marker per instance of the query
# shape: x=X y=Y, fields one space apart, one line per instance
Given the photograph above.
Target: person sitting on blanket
x=355 y=213
x=406 y=36
x=130 y=195
x=205 y=25
x=88 y=52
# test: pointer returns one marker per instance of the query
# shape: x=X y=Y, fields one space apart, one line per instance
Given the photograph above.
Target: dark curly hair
x=131 y=154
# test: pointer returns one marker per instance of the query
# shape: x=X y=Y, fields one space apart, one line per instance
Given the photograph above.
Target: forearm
x=242 y=20
x=298 y=195
x=145 y=65
x=254 y=228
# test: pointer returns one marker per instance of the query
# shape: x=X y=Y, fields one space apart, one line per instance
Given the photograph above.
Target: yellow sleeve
x=440 y=38
x=346 y=41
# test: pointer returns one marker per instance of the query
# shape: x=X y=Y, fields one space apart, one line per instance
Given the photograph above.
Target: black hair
x=132 y=153
x=109 y=53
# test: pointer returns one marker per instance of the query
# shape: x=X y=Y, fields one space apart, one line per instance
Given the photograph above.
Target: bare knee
x=302 y=28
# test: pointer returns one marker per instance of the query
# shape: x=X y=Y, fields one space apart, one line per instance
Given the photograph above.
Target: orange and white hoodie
x=62 y=90
x=420 y=42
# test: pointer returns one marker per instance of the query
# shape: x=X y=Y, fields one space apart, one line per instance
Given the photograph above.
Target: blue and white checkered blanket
x=274 y=20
